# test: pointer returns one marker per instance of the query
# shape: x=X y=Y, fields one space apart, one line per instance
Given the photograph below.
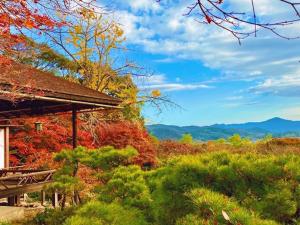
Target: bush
x=127 y=186
x=52 y=217
x=268 y=185
x=122 y=134
x=213 y=208
x=99 y=213
x=187 y=139
x=169 y=148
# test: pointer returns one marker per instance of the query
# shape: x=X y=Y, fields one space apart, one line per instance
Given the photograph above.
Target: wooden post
x=6 y=146
x=43 y=198
x=17 y=200
x=74 y=126
x=11 y=201
x=55 y=203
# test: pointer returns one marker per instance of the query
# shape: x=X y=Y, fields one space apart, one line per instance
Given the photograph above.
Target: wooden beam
x=74 y=127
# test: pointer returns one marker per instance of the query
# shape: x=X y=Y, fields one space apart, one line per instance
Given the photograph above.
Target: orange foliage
x=286 y=141
x=18 y=15
x=36 y=148
x=121 y=134
x=169 y=148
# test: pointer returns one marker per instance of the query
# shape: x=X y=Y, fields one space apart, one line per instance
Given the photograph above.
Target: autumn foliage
x=168 y=148
x=35 y=149
x=18 y=16
x=120 y=134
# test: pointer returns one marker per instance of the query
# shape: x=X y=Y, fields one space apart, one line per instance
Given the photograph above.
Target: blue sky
x=205 y=71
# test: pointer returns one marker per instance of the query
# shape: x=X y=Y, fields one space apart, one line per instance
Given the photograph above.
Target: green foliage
x=5 y=223
x=209 y=188
x=186 y=139
x=65 y=180
x=267 y=185
x=127 y=186
x=214 y=208
x=100 y=213
x=108 y=158
x=71 y=159
x=52 y=217
x=43 y=57
x=237 y=141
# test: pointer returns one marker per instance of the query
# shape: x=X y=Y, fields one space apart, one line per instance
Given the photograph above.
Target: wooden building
x=29 y=92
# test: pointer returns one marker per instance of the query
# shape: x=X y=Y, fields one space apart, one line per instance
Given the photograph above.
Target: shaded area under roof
x=41 y=93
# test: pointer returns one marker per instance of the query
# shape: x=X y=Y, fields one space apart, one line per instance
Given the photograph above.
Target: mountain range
x=277 y=127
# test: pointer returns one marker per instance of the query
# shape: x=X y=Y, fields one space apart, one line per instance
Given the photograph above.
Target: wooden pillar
x=74 y=127
x=6 y=146
x=11 y=201
x=55 y=201
x=43 y=198
x=14 y=200
x=17 y=200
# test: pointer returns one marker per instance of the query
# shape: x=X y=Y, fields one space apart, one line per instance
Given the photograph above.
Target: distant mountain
x=278 y=127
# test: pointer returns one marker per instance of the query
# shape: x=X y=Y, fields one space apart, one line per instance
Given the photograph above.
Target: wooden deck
x=14 y=182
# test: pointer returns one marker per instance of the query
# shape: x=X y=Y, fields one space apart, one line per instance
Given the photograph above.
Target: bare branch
x=237 y=23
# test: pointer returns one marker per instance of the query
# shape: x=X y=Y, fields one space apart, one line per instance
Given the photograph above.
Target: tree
x=186 y=139
x=242 y=24
x=66 y=180
x=41 y=56
x=20 y=16
x=95 y=45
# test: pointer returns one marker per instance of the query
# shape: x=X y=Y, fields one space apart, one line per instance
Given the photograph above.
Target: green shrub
x=100 y=213
x=186 y=139
x=265 y=184
x=126 y=186
x=4 y=223
x=52 y=217
x=108 y=158
x=214 y=208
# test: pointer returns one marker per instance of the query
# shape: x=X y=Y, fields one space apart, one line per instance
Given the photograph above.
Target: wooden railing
x=13 y=182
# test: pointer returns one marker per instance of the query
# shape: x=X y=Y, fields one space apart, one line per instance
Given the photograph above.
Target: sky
x=205 y=71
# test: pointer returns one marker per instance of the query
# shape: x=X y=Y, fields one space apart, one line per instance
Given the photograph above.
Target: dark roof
x=45 y=93
x=52 y=86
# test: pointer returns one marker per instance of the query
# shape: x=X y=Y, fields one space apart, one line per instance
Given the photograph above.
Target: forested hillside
x=276 y=127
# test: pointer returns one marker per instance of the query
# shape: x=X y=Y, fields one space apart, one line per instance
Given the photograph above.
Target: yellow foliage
x=156 y=93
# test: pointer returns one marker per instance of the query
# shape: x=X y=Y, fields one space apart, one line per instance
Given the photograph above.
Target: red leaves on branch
x=35 y=149
x=121 y=134
x=17 y=16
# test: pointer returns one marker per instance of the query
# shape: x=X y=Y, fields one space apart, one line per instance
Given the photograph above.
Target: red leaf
x=208 y=19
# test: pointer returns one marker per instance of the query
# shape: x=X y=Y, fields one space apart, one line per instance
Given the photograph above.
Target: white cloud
x=157 y=79
x=167 y=32
x=144 y=5
x=286 y=85
x=292 y=113
x=235 y=98
x=160 y=82
x=174 y=87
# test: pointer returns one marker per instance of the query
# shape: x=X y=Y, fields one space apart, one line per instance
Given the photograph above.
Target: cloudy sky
x=204 y=69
